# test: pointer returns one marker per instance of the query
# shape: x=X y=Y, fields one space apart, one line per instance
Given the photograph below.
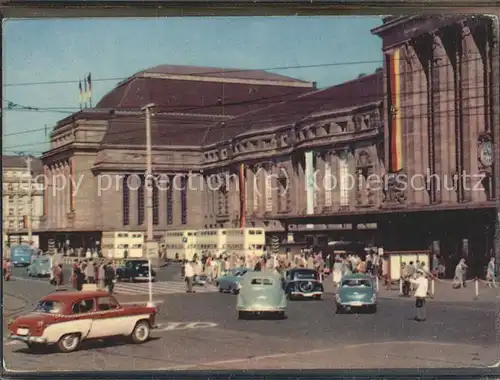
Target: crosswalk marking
x=162 y=287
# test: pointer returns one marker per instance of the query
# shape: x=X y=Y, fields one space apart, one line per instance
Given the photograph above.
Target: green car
x=230 y=281
x=356 y=291
x=261 y=293
x=40 y=267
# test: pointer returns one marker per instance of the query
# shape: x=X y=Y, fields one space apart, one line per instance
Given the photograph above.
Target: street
x=201 y=331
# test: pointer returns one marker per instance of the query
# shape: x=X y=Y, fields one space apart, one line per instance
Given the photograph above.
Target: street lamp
x=150 y=245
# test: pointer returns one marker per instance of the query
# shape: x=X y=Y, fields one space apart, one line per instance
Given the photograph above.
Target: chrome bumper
x=356 y=304
x=262 y=309
x=310 y=294
x=28 y=339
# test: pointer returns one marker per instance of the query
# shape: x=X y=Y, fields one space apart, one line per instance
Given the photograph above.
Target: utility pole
x=151 y=246
x=30 y=200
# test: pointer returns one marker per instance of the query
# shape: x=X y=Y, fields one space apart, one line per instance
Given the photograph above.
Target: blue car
x=21 y=255
x=356 y=291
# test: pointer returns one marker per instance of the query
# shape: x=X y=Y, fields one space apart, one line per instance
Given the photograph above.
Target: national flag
x=89 y=81
x=81 y=91
x=85 y=93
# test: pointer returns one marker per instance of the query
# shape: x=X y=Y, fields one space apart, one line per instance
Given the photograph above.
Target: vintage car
x=230 y=281
x=356 y=291
x=200 y=280
x=302 y=283
x=135 y=270
x=261 y=293
x=40 y=267
x=66 y=319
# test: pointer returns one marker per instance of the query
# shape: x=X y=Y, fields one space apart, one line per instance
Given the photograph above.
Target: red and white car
x=66 y=319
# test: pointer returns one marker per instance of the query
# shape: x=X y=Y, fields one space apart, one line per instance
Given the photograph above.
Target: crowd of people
x=101 y=272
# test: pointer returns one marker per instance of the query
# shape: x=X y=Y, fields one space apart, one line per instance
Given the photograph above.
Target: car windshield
x=261 y=281
x=356 y=283
x=140 y=264
x=51 y=307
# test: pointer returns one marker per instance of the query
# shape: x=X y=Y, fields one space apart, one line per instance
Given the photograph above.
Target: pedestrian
x=459 y=279
x=90 y=272
x=422 y=287
x=188 y=276
x=7 y=269
x=79 y=278
x=101 y=276
x=109 y=277
x=337 y=272
x=490 y=274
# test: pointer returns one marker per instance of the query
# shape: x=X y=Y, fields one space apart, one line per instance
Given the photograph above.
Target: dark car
x=135 y=270
x=302 y=283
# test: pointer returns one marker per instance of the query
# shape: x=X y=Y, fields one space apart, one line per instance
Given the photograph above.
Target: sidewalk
x=443 y=292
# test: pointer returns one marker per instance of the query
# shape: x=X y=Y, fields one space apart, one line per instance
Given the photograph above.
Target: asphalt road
x=201 y=331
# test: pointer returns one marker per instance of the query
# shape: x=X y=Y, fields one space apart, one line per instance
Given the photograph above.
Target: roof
x=357 y=92
x=19 y=162
x=200 y=89
x=180 y=130
x=63 y=296
x=355 y=276
x=218 y=72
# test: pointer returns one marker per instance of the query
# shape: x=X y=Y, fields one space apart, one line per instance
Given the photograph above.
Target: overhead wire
x=301 y=98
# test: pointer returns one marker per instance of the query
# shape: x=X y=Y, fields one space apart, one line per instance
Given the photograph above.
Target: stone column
x=335 y=165
x=249 y=190
x=319 y=194
x=162 y=201
x=133 y=183
x=473 y=112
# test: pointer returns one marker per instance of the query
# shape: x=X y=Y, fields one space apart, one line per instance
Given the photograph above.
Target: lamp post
x=150 y=245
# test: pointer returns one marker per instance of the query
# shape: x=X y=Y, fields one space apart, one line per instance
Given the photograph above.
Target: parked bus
x=246 y=241
x=120 y=244
x=180 y=245
x=213 y=240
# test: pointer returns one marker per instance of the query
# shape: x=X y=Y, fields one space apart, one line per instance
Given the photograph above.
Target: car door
x=82 y=318
x=109 y=319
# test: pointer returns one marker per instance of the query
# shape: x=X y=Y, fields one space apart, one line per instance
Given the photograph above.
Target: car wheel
x=339 y=309
x=373 y=309
x=281 y=315
x=319 y=298
x=221 y=290
x=235 y=291
x=69 y=342
x=141 y=332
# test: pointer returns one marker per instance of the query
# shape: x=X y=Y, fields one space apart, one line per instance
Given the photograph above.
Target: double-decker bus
x=246 y=241
x=180 y=245
x=212 y=240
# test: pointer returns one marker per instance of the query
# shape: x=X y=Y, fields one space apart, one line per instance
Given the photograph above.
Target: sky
x=112 y=49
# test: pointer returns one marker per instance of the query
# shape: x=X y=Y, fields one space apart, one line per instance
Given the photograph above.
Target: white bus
x=213 y=240
x=115 y=244
x=180 y=245
x=246 y=241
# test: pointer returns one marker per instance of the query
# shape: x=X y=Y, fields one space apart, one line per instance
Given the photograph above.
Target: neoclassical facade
x=245 y=148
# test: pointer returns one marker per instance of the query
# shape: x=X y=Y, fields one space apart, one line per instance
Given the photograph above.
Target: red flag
x=85 y=93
